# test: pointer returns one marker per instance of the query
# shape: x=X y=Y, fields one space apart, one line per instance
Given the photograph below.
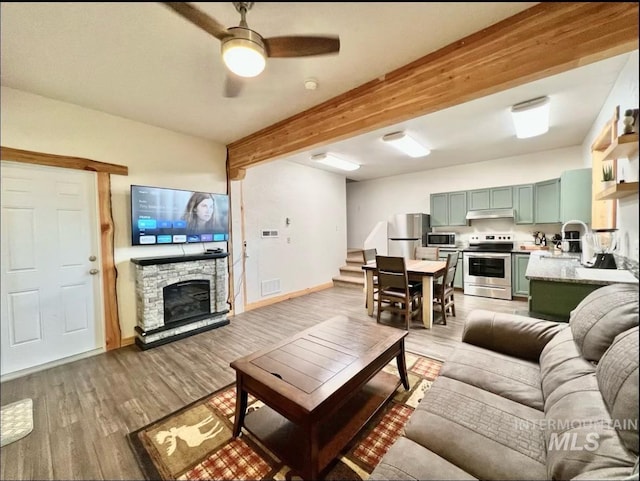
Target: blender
x=604 y=243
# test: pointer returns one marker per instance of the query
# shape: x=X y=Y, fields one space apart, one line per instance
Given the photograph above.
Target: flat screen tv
x=172 y=216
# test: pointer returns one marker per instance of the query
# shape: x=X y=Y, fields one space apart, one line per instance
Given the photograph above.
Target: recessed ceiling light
x=406 y=144
x=336 y=162
x=531 y=118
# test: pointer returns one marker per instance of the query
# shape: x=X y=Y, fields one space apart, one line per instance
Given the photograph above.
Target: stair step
x=350 y=270
x=348 y=281
x=354 y=263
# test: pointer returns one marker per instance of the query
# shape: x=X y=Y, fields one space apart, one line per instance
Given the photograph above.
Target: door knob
x=92 y=258
x=93 y=272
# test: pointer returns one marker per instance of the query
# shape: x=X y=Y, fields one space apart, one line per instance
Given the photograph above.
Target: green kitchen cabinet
x=575 y=195
x=519 y=265
x=493 y=198
x=458 y=208
x=501 y=197
x=547 y=201
x=458 y=279
x=449 y=208
x=555 y=300
x=479 y=199
x=439 y=210
x=523 y=203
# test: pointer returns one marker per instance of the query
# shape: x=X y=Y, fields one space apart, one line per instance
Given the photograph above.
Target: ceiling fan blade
x=301 y=46
x=232 y=85
x=200 y=19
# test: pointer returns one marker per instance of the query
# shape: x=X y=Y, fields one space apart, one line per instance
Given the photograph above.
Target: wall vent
x=270 y=233
x=269 y=287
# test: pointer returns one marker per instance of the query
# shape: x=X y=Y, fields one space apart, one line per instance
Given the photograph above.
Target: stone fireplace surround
x=153 y=274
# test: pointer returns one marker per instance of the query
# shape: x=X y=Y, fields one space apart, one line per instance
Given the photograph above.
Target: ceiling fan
x=244 y=51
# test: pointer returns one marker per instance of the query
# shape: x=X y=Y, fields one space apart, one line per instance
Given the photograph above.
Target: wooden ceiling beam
x=544 y=40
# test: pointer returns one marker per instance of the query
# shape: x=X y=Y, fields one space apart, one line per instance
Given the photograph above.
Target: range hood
x=490 y=214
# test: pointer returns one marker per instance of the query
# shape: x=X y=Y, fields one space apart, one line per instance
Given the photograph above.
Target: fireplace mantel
x=154 y=274
x=150 y=261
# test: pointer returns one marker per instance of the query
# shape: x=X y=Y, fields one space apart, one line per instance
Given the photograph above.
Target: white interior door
x=50 y=291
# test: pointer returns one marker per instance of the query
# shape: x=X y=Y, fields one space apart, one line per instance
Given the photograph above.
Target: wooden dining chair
x=443 y=290
x=395 y=292
x=427 y=253
x=370 y=255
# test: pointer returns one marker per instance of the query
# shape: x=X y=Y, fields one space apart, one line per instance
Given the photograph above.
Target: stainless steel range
x=487 y=265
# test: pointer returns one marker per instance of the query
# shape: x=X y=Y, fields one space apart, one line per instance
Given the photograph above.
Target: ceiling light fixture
x=336 y=162
x=244 y=53
x=406 y=144
x=531 y=118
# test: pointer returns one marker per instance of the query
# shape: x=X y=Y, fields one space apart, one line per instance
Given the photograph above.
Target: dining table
x=418 y=271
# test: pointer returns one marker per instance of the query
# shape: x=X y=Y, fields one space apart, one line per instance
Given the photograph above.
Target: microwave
x=441 y=239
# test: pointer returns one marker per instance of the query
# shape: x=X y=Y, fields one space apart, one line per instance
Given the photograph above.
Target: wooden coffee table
x=319 y=387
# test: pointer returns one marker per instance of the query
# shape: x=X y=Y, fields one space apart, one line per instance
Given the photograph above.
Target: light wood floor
x=84 y=410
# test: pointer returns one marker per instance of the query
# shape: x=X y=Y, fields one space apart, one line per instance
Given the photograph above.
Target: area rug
x=16 y=421
x=196 y=442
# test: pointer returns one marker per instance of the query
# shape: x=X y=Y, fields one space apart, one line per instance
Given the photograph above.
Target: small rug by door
x=16 y=421
x=196 y=443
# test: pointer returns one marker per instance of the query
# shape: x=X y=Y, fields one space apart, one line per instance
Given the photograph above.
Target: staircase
x=351 y=275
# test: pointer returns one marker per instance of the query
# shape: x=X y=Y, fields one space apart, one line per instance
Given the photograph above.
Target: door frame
x=103 y=170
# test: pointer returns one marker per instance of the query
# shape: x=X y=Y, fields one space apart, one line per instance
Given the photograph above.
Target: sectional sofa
x=524 y=398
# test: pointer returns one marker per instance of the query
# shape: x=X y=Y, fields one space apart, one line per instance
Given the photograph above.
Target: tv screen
x=172 y=216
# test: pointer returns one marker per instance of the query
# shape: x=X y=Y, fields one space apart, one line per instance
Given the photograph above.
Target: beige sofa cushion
x=601 y=316
x=579 y=431
x=518 y=336
x=480 y=432
x=507 y=376
x=561 y=362
x=617 y=376
x=409 y=460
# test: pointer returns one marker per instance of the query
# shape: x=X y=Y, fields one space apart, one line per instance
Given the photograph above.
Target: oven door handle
x=487 y=254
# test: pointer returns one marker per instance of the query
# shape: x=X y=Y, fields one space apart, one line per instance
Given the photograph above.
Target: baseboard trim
x=127 y=341
x=284 y=297
x=47 y=365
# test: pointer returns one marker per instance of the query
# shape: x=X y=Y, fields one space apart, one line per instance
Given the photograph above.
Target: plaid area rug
x=196 y=443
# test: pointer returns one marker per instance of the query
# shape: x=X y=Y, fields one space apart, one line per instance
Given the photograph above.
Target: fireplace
x=178 y=296
x=186 y=300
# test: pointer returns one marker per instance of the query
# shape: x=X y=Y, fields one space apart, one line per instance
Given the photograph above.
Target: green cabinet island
x=557 y=283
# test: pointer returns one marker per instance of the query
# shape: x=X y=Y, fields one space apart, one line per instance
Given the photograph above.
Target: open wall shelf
x=618 y=191
x=623 y=146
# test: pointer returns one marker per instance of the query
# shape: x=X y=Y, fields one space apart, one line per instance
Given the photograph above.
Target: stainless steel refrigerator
x=405 y=232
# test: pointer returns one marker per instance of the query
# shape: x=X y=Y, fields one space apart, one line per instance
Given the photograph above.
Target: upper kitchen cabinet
x=575 y=195
x=449 y=208
x=523 y=203
x=494 y=198
x=547 y=201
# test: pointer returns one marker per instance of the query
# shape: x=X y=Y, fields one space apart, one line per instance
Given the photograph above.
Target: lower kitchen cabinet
x=520 y=284
x=457 y=280
x=556 y=300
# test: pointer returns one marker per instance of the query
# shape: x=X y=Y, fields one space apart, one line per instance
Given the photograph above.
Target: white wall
x=376 y=200
x=311 y=249
x=624 y=93
x=154 y=156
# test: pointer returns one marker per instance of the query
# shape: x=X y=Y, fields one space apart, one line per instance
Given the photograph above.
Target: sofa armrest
x=518 y=336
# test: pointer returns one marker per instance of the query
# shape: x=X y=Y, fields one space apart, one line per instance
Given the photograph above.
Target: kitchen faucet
x=586 y=228
x=587 y=254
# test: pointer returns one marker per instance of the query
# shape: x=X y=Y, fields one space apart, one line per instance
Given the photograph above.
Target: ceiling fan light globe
x=244 y=54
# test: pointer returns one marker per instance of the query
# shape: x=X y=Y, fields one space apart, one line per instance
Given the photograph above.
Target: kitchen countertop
x=567 y=268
